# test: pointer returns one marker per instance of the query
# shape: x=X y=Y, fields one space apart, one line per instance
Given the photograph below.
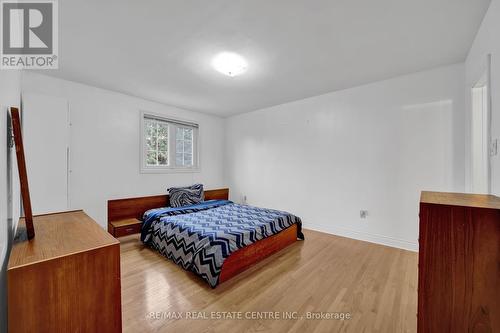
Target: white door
x=46 y=144
x=480 y=134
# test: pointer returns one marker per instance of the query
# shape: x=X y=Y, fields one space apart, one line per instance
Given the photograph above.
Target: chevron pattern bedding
x=200 y=237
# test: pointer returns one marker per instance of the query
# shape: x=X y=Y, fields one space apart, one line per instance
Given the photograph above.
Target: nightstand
x=124 y=227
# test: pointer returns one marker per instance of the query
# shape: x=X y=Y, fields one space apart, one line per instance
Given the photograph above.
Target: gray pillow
x=184 y=196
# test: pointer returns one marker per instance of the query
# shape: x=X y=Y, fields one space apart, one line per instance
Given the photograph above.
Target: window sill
x=169 y=170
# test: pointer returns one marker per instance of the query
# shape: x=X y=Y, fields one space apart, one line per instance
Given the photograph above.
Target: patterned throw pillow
x=184 y=196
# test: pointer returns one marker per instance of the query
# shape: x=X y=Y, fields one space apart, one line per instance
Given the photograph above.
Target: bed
x=216 y=239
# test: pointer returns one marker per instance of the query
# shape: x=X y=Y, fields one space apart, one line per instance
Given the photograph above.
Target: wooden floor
x=376 y=285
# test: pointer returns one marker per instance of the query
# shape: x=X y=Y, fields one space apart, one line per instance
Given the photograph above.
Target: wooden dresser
x=66 y=279
x=459 y=263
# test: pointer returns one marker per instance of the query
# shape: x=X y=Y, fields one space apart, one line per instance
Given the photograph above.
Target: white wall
x=486 y=42
x=373 y=147
x=104 y=142
x=10 y=92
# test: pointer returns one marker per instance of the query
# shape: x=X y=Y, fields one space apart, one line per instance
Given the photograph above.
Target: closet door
x=46 y=144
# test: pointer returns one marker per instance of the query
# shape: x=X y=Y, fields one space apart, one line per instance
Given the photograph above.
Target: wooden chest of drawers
x=66 y=279
x=459 y=263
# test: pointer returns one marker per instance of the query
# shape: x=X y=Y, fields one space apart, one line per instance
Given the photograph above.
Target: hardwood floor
x=376 y=285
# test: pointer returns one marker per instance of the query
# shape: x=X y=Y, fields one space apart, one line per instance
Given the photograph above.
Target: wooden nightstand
x=124 y=227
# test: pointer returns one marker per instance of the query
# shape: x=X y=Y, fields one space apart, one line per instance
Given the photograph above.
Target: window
x=184 y=146
x=156 y=132
x=168 y=144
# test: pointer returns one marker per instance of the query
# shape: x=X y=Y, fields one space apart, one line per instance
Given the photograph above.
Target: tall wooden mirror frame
x=23 y=175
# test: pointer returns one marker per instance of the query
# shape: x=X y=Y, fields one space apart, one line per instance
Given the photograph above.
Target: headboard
x=120 y=209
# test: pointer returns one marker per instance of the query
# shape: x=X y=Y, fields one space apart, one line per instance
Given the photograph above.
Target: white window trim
x=171 y=146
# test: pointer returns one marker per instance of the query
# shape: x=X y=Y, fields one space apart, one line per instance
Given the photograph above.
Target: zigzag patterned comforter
x=200 y=237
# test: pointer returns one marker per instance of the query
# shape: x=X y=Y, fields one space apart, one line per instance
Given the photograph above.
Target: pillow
x=184 y=196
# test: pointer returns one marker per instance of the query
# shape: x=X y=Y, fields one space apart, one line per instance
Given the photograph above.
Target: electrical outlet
x=363 y=214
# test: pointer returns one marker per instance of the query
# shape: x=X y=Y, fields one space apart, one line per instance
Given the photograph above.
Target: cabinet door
x=46 y=143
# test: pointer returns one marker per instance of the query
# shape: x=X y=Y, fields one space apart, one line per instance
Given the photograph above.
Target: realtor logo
x=29 y=34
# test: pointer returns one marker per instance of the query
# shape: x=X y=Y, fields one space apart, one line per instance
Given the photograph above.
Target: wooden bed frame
x=124 y=218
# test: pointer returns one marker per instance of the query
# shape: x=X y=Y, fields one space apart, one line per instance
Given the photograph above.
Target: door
x=480 y=132
x=46 y=143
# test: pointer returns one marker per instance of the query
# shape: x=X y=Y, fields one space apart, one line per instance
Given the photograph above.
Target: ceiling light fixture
x=230 y=64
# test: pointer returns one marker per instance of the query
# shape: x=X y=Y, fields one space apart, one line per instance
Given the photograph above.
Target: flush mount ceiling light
x=230 y=64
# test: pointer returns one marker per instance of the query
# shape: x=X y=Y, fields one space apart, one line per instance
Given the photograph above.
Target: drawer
x=127 y=230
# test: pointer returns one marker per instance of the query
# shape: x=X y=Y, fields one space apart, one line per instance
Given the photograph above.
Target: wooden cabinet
x=459 y=263
x=66 y=279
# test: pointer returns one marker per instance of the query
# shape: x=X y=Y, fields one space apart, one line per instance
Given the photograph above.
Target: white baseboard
x=367 y=237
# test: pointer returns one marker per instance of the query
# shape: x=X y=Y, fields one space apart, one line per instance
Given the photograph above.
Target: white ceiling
x=161 y=50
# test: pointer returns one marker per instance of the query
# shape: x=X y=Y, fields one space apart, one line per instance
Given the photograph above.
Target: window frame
x=173 y=123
